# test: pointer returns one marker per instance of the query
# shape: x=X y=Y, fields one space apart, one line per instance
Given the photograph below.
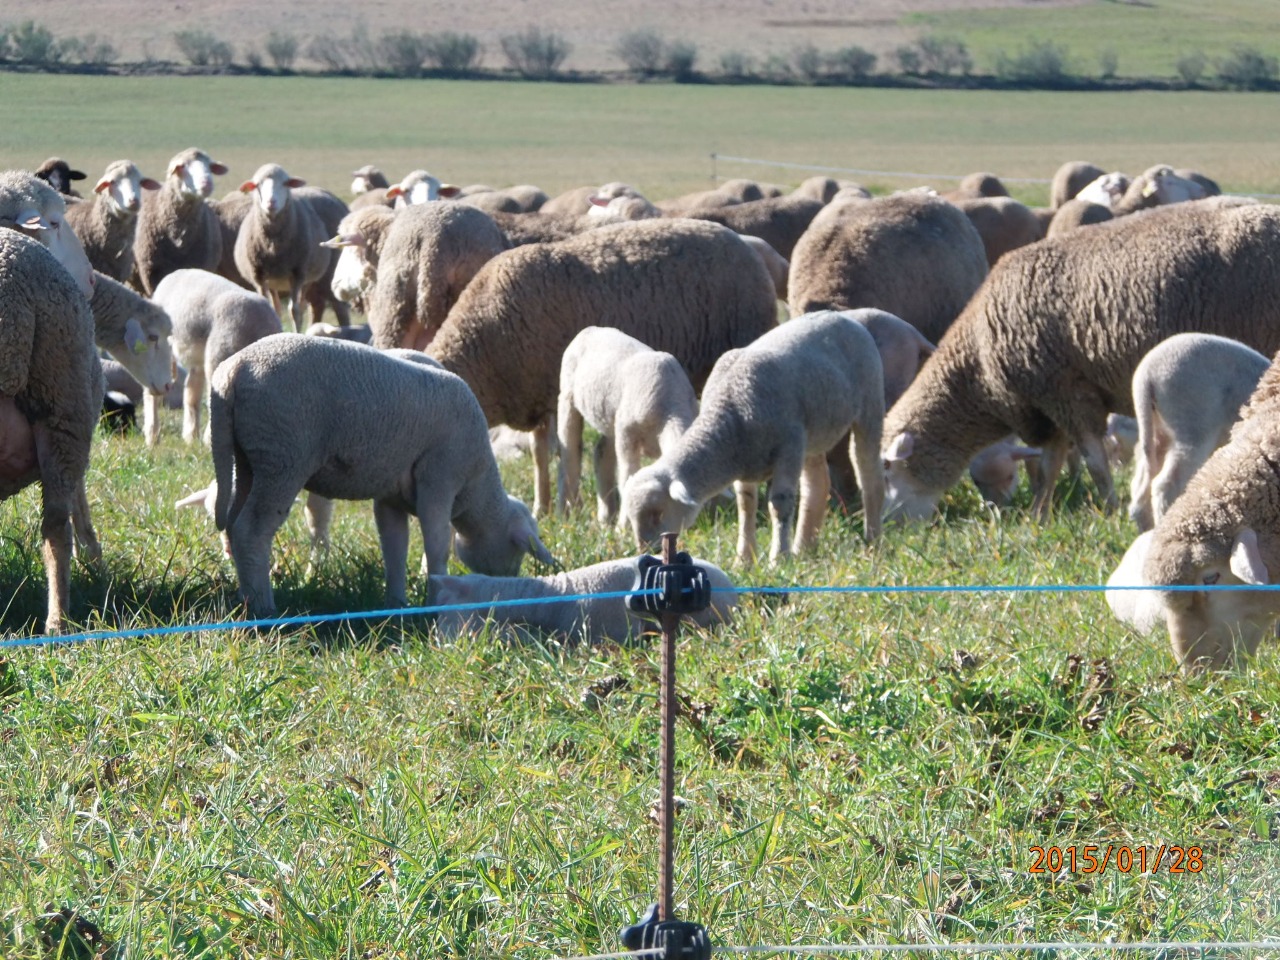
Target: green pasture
x=657 y=136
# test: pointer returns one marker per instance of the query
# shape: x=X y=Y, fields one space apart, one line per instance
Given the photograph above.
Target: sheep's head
x=498 y=550
x=906 y=497
x=58 y=174
x=420 y=187
x=359 y=238
x=122 y=187
x=994 y=470
x=367 y=178
x=145 y=350
x=270 y=187
x=33 y=208
x=654 y=504
x=193 y=171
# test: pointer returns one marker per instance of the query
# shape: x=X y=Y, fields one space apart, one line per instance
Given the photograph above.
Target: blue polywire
x=314 y=618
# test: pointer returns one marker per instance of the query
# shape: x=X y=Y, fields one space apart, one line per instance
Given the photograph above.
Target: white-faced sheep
x=1048 y=346
x=1069 y=179
x=419 y=187
x=278 y=248
x=349 y=422
x=1157 y=186
x=1187 y=393
x=368 y=178
x=689 y=288
x=135 y=331
x=58 y=174
x=106 y=224
x=771 y=411
x=639 y=400
x=212 y=318
x=577 y=200
x=591 y=620
x=359 y=240
x=31 y=207
x=1106 y=191
x=176 y=228
x=916 y=256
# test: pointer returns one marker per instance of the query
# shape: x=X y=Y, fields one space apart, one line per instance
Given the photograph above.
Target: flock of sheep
x=930 y=335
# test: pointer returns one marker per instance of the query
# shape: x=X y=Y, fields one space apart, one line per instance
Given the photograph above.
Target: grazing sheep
x=119 y=414
x=1106 y=191
x=1047 y=348
x=115 y=377
x=213 y=318
x=1209 y=186
x=1077 y=213
x=106 y=224
x=775 y=263
x=349 y=422
x=622 y=208
x=1187 y=393
x=689 y=288
x=592 y=620
x=58 y=174
x=31 y=207
x=975 y=186
x=419 y=187
x=1157 y=186
x=728 y=193
x=176 y=228
x=916 y=256
x=524 y=198
x=135 y=331
x=771 y=411
x=359 y=240
x=639 y=400
x=368 y=178
x=1121 y=438
x=1141 y=609
x=1070 y=179
x=50 y=398
x=1224 y=531
x=278 y=247
x=356 y=333
x=778 y=221
x=1003 y=223
x=825 y=188
x=994 y=469
x=577 y=201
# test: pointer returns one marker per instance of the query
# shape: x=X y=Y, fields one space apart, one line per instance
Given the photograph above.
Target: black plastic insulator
x=678 y=939
x=683 y=586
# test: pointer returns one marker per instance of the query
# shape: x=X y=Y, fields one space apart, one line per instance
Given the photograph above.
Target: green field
x=855 y=768
x=658 y=137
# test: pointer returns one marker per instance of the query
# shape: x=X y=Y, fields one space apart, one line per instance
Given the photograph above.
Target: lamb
x=213 y=318
x=278 y=247
x=1187 y=392
x=593 y=620
x=639 y=400
x=358 y=333
x=419 y=187
x=50 y=396
x=58 y=174
x=135 y=331
x=779 y=221
x=1077 y=213
x=1070 y=179
x=771 y=411
x=290 y=413
x=689 y=288
x=1047 y=348
x=1224 y=531
x=31 y=207
x=916 y=256
x=1003 y=223
x=176 y=228
x=106 y=224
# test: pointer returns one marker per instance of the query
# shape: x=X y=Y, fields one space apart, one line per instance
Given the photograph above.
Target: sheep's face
x=47 y=226
x=354 y=276
x=146 y=352
x=194 y=176
x=123 y=192
x=905 y=496
x=498 y=550
x=271 y=188
x=653 y=504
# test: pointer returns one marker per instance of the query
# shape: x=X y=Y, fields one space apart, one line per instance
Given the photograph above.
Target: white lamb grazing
x=1187 y=393
x=212 y=319
x=771 y=411
x=349 y=422
x=593 y=620
x=638 y=399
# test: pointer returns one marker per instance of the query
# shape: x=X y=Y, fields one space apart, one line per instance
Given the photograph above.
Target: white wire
x=819 y=949
x=647 y=952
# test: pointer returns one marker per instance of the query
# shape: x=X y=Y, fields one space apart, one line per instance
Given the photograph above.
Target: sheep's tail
x=1144 y=409
x=222 y=441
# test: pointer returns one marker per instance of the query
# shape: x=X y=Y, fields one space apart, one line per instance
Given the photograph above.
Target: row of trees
x=647 y=54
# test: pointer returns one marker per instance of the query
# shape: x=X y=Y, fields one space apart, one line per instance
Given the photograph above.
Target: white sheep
x=135 y=331
x=771 y=411
x=349 y=422
x=591 y=620
x=31 y=207
x=1105 y=191
x=1187 y=393
x=212 y=319
x=106 y=224
x=176 y=227
x=419 y=187
x=638 y=399
x=278 y=246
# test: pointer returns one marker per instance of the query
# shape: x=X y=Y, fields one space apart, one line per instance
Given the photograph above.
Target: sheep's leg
x=630 y=450
x=82 y=523
x=1095 y=459
x=1052 y=455
x=1140 y=502
x=608 y=484
x=437 y=536
x=252 y=534
x=569 y=427
x=393 y=536
x=297 y=307
x=151 y=417
x=1180 y=464
x=864 y=452
x=542 y=468
x=815 y=486
x=748 y=494
x=318 y=511
x=192 y=395
x=59 y=487
x=783 y=488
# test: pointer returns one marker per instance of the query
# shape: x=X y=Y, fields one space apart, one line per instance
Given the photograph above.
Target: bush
x=1248 y=69
x=641 y=51
x=735 y=63
x=1042 y=62
x=454 y=52
x=31 y=42
x=850 y=63
x=282 y=48
x=681 y=56
x=943 y=55
x=776 y=69
x=908 y=59
x=1108 y=63
x=1190 y=67
x=534 y=53
x=253 y=59
x=203 y=49
x=402 y=52
x=807 y=61
x=328 y=51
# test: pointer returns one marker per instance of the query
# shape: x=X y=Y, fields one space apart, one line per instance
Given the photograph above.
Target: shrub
x=908 y=59
x=681 y=56
x=1108 y=63
x=1041 y=62
x=776 y=69
x=328 y=51
x=1190 y=67
x=850 y=63
x=454 y=52
x=203 y=49
x=402 y=52
x=735 y=63
x=253 y=59
x=97 y=51
x=944 y=55
x=807 y=61
x=534 y=53
x=641 y=51
x=362 y=52
x=282 y=48
x=31 y=42
x=1247 y=68
x=4 y=41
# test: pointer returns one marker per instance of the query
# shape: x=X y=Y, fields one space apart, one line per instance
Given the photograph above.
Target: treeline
x=643 y=55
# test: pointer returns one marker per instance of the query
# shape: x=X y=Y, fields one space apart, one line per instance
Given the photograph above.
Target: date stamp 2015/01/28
x=1101 y=857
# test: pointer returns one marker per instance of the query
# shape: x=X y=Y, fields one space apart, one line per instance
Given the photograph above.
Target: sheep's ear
x=30 y=220
x=901 y=447
x=1246 y=561
x=680 y=494
x=217 y=168
x=175 y=169
x=340 y=240
x=1150 y=187
x=448 y=190
x=103 y=184
x=598 y=202
x=146 y=183
x=135 y=341
x=396 y=191
x=528 y=541
x=248 y=186
x=293 y=183
x=75 y=175
x=1024 y=453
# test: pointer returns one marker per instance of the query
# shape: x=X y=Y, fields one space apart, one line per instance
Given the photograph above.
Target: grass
x=658 y=137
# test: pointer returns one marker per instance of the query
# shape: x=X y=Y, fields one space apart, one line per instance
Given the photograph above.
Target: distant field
x=658 y=137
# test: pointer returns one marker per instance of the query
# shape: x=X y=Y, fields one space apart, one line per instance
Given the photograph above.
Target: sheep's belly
x=344 y=479
x=18 y=464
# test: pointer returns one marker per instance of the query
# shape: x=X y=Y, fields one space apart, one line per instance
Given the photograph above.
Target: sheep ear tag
x=134 y=339
x=1246 y=561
